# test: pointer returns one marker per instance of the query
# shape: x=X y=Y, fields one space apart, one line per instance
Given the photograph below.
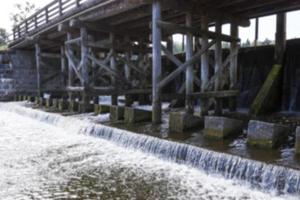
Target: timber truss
x=116 y=47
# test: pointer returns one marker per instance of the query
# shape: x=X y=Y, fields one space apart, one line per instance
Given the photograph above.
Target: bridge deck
x=132 y=17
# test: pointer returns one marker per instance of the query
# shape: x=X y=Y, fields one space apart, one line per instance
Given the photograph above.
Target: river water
x=47 y=156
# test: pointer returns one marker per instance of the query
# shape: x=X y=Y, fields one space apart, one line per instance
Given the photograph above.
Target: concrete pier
x=48 y=102
x=134 y=115
x=55 y=103
x=101 y=109
x=266 y=135
x=181 y=121
x=62 y=105
x=73 y=106
x=221 y=127
x=117 y=113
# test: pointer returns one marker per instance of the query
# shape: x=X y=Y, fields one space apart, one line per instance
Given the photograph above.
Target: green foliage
x=3 y=37
x=23 y=10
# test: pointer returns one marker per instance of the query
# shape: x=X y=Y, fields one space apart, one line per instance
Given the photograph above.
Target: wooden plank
x=171 y=28
x=216 y=94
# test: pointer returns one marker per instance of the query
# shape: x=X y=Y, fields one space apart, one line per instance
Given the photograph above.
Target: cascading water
x=258 y=175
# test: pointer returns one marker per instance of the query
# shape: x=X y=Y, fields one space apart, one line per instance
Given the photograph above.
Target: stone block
x=134 y=115
x=297 y=144
x=62 y=105
x=117 y=113
x=264 y=134
x=181 y=121
x=221 y=127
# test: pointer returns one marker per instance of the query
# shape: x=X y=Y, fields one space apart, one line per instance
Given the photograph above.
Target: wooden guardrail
x=44 y=15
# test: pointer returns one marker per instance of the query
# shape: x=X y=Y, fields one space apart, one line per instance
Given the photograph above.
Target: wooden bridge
x=115 y=47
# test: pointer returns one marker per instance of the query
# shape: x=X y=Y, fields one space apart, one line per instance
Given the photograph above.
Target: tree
x=22 y=12
x=3 y=37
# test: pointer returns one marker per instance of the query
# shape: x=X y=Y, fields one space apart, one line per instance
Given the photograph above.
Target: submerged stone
x=222 y=127
x=117 y=113
x=181 y=121
x=133 y=115
x=266 y=135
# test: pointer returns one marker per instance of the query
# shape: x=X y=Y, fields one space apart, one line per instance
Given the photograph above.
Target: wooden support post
x=70 y=69
x=84 y=67
x=280 y=39
x=170 y=43
x=204 y=65
x=156 y=62
x=256 y=31
x=63 y=66
x=189 y=88
x=267 y=99
x=127 y=58
x=218 y=65
x=38 y=68
x=113 y=66
x=233 y=64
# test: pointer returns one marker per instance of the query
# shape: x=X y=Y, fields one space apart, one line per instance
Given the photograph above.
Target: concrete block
x=96 y=109
x=55 y=103
x=85 y=108
x=181 y=121
x=30 y=98
x=264 y=134
x=297 y=144
x=62 y=105
x=24 y=98
x=20 y=97
x=73 y=106
x=134 y=115
x=48 y=102
x=221 y=127
x=42 y=101
x=101 y=109
x=117 y=113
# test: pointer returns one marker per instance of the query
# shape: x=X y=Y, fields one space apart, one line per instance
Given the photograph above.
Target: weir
x=258 y=175
x=119 y=60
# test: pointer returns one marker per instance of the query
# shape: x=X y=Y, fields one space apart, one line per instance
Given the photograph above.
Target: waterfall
x=258 y=175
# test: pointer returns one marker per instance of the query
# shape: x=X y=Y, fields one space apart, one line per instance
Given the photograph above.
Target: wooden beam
x=156 y=62
x=51 y=55
x=183 y=67
x=218 y=66
x=216 y=94
x=38 y=68
x=189 y=76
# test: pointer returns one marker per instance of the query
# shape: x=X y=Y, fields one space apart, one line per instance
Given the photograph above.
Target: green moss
x=103 y=109
x=264 y=101
x=263 y=143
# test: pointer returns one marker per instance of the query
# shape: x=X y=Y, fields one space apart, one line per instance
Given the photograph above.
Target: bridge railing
x=44 y=15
